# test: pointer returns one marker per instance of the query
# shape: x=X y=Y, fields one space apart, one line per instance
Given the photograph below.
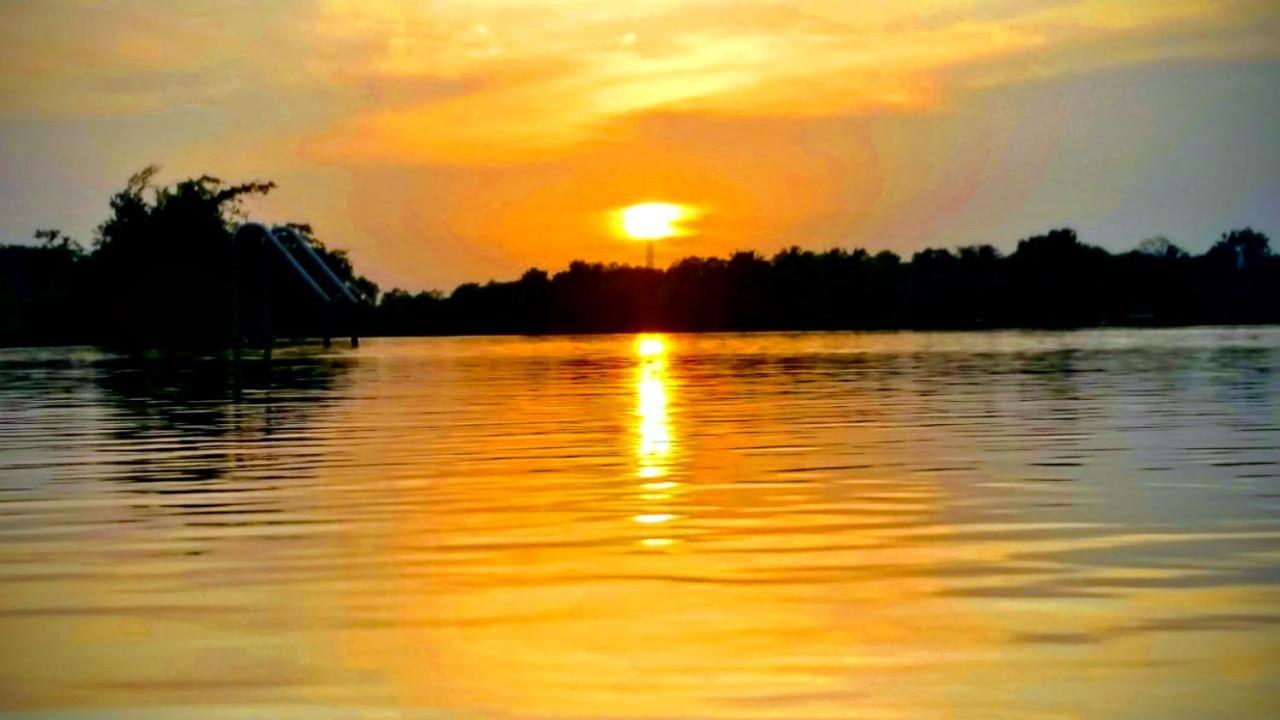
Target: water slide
x=302 y=261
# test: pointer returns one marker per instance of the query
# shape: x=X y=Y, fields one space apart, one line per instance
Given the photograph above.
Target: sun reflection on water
x=655 y=443
x=654 y=429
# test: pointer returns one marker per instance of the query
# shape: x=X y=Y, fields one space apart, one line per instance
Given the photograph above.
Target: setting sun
x=651 y=220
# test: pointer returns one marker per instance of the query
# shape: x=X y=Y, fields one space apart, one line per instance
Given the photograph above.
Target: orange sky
x=443 y=142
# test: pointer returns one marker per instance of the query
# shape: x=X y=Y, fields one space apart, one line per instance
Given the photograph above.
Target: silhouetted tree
x=1051 y=280
x=158 y=274
x=1160 y=246
x=1240 y=280
x=403 y=313
x=1241 y=248
x=53 y=239
x=159 y=269
x=1058 y=281
x=161 y=265
x=38 y=290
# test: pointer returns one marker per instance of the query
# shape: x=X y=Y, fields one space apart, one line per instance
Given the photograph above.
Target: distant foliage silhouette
x=1050 y=281
x=158 y=275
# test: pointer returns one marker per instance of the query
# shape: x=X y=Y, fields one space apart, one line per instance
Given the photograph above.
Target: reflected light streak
x=654 y=448
x=654 y=518
x=651 y=407
x=648 y=346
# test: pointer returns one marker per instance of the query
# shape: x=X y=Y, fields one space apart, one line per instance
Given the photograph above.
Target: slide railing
x=302 y=261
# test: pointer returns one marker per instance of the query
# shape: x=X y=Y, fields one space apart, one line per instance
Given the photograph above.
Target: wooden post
x=352 y=316
x=267 y=337
x=236 y=336
x=329 y=326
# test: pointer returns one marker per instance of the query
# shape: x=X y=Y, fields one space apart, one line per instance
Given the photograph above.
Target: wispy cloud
x=537 y=81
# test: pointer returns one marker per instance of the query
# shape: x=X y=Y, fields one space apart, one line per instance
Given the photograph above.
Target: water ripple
x=909 y=524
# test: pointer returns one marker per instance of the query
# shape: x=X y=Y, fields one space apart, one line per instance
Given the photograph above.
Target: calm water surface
x=736 y=526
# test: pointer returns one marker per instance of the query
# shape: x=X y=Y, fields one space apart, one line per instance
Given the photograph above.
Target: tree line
x=1051 y=280
x=159 y=267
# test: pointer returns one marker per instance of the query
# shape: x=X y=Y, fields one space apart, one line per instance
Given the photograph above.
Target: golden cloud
x=530 y=82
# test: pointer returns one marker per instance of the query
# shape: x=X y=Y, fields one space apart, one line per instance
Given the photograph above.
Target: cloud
x=445 y=141
x=539 y=81
x=498 y=81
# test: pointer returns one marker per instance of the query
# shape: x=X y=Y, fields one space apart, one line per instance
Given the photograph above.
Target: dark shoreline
x=289 y=343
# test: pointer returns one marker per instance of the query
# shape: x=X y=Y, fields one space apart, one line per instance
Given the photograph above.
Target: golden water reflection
x=726 y=526
x=655 y=444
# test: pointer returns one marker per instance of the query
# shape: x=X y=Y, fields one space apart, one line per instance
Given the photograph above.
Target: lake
x=826 y=525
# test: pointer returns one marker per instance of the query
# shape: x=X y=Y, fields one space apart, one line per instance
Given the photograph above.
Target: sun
x=651 y=220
